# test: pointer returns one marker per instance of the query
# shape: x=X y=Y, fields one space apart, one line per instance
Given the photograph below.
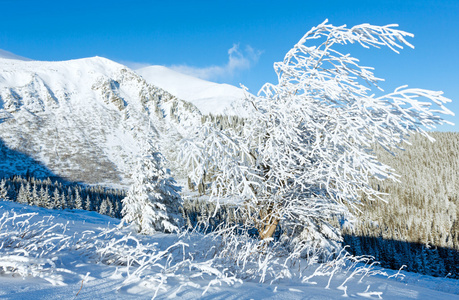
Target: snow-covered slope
x=84 y=120
x=66 y=254
x=208 y=96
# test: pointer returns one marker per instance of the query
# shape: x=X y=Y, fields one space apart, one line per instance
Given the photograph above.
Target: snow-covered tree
x=111 y=208
x=22 y=195
x=35 y=196
x=303 y=154
x=152 y=201
x=103 y=208
x=87 y=203
x=3 y=190
x=56 y=199
x=44 y=197
x=28 y=194
x=78 y=200
x=64 y=201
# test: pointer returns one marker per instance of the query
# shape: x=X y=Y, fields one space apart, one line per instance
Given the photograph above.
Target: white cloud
x=238 y=60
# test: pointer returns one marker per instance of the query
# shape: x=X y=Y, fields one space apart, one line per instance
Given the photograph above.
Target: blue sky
x=234 y=41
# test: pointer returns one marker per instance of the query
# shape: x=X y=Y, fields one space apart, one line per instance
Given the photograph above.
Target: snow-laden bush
x=303 y=155
x=158 y=265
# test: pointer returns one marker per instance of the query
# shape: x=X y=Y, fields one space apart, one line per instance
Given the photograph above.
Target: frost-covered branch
x=303 y=155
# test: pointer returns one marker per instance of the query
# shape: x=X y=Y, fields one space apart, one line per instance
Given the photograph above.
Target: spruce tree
x=28 y=194
x=87 y=203
x=56 y=198
x=22 y=195
x=152 y=199
x=3 y=190
x=103 y=208
x=111 y=208
x=43 y=197
x=63 y=203
x=78 y=200
x=35 y=197
x=46 y=198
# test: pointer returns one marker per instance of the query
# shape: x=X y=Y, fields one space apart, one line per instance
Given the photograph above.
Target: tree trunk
x=268 y=223
x=269 y=229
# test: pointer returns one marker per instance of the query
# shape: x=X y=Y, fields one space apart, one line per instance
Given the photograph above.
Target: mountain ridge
x=86 y=119
x=209 y=97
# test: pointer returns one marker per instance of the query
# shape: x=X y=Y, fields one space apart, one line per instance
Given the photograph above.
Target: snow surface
x=209 y=97
x=81 y=245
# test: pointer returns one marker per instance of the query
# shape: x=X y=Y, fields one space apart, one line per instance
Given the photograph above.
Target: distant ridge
x=85 y=120
x=9 y=55
x=208 y=97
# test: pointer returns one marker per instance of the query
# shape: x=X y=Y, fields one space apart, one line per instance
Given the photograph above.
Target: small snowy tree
x=303 y=154
x=44 y=197
x=22 y=195
x=3 y=190
x=87 y=203
x=35 y=196
x=152 y=201
x=63 y=204
x=103 y=208
x=56 y=199
x=78 y=200
x=28 y=194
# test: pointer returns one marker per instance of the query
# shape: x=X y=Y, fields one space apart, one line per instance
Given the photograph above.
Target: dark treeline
x=415 y=257
x=58 y=195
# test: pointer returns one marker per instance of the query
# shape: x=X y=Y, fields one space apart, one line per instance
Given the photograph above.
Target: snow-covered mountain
x=208 y=96
x=84 y=120
x=9 y=55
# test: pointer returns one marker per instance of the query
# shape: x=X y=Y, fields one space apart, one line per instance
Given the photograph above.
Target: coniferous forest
x=59 y=195
x=419 y=225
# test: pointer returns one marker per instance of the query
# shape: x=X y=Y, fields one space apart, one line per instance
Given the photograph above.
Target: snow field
x=59 y=254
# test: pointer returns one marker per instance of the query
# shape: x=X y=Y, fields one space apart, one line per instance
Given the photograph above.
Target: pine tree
x=111 y=208
x=78 y=200
x=56 y=200
x=22 y=195
x=44 y=197
x=63 y=204
x=103 y=208
x=70 y=201
x=117 y=209
x=47 y=199
x=28 y=194
x=152 y=200
x=87 y=203
x=34 y=195
x=3 y=190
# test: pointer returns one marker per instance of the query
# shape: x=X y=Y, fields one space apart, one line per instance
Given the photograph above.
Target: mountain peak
x=85 y=120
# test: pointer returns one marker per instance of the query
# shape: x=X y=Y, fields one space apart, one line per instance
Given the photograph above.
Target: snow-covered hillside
x=208 y=96
x=63 y=254
x=84 y=120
